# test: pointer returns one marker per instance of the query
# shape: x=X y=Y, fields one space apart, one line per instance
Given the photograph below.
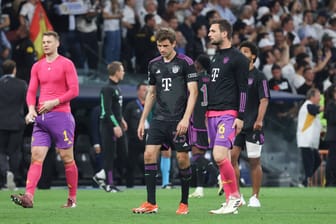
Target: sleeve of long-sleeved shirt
x=33 y=86
x=330 y=113
x=313 y=109
x=242 y=70
x=106 y=97
x=71 y=82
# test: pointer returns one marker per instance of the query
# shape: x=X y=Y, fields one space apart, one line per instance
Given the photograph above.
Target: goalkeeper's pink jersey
x=56 y=79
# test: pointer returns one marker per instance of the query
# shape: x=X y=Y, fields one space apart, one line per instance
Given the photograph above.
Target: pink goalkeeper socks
x=228 y=178
x=71 y=174
x=33 y=177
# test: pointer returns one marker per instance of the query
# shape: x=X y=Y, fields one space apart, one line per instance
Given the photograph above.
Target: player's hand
x=141 y=130
x=48 y=105
x=182 y=127
x=30 y=117
x=258 y=125
x=238 y=125
x=97 y=149
x=124 y=124
x=117 y=131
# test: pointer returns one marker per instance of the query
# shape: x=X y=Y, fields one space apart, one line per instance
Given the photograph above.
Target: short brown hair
x=166 y=34
x=224 y=25
x=8 y=66
x=113 y=67
x=311 y=93
x=52 y=33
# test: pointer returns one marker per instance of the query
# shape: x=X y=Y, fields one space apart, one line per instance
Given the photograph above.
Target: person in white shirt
x=27 y=12
x=308 y=134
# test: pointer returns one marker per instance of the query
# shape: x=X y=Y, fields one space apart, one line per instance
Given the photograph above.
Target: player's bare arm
x=238 y=125
x=183 y=125
x=258 y=124
x=149 y=102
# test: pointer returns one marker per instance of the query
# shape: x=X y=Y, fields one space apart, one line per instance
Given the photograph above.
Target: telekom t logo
x=166 y=84
x=214 y=74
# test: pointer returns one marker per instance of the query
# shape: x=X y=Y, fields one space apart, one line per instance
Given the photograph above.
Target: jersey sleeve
x=33 y=86
x=242 y=71
x=313 y=109
x=190 y=70
x=151 y=75
x=71 y=79
x=263 y=88
x=106 y=97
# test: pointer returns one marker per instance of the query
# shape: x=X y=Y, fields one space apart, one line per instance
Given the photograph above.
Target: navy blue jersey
x=227 y=89
x=170 y=79
x=257 y=89
x=111 y=103
x=198 y=117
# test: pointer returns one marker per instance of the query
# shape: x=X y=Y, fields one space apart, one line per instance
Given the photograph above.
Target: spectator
x=181 y=42
x=320 y=24
x=287 y=24
x=27 y=13
x=150 y=7
x=12 y=124
x=65 y=25
x=306 y=30
x=112 y=41
x=145 y=49
x=284 y=111
x=188 y=26
x=295 y=8
x=308 y=134
x=199 y=44
x=131 y=26
x=331 y=29
x=87 y=28
x=23 y=53
x=224 y=10
x=299 y=79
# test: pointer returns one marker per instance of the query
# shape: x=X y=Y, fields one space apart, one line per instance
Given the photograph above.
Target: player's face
x=49 y=45
x=316 y=99
x=247 y=52
x=216 y=36
x=166 y=48
x=120 y=73
x=142 y=91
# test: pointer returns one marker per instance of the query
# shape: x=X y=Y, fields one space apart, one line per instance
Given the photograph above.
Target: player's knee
x=254 y=162
x=182 y=159
x=149 y=157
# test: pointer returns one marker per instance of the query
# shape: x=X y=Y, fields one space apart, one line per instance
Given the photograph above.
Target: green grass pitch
x=279 y=206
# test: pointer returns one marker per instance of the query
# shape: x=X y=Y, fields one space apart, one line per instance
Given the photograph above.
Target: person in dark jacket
x=136 y=147
x=12 y=122
x=330 y=111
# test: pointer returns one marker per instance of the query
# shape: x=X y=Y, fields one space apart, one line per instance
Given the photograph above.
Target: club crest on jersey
x=226 y=60
x=250 y=81
x=175 y=69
